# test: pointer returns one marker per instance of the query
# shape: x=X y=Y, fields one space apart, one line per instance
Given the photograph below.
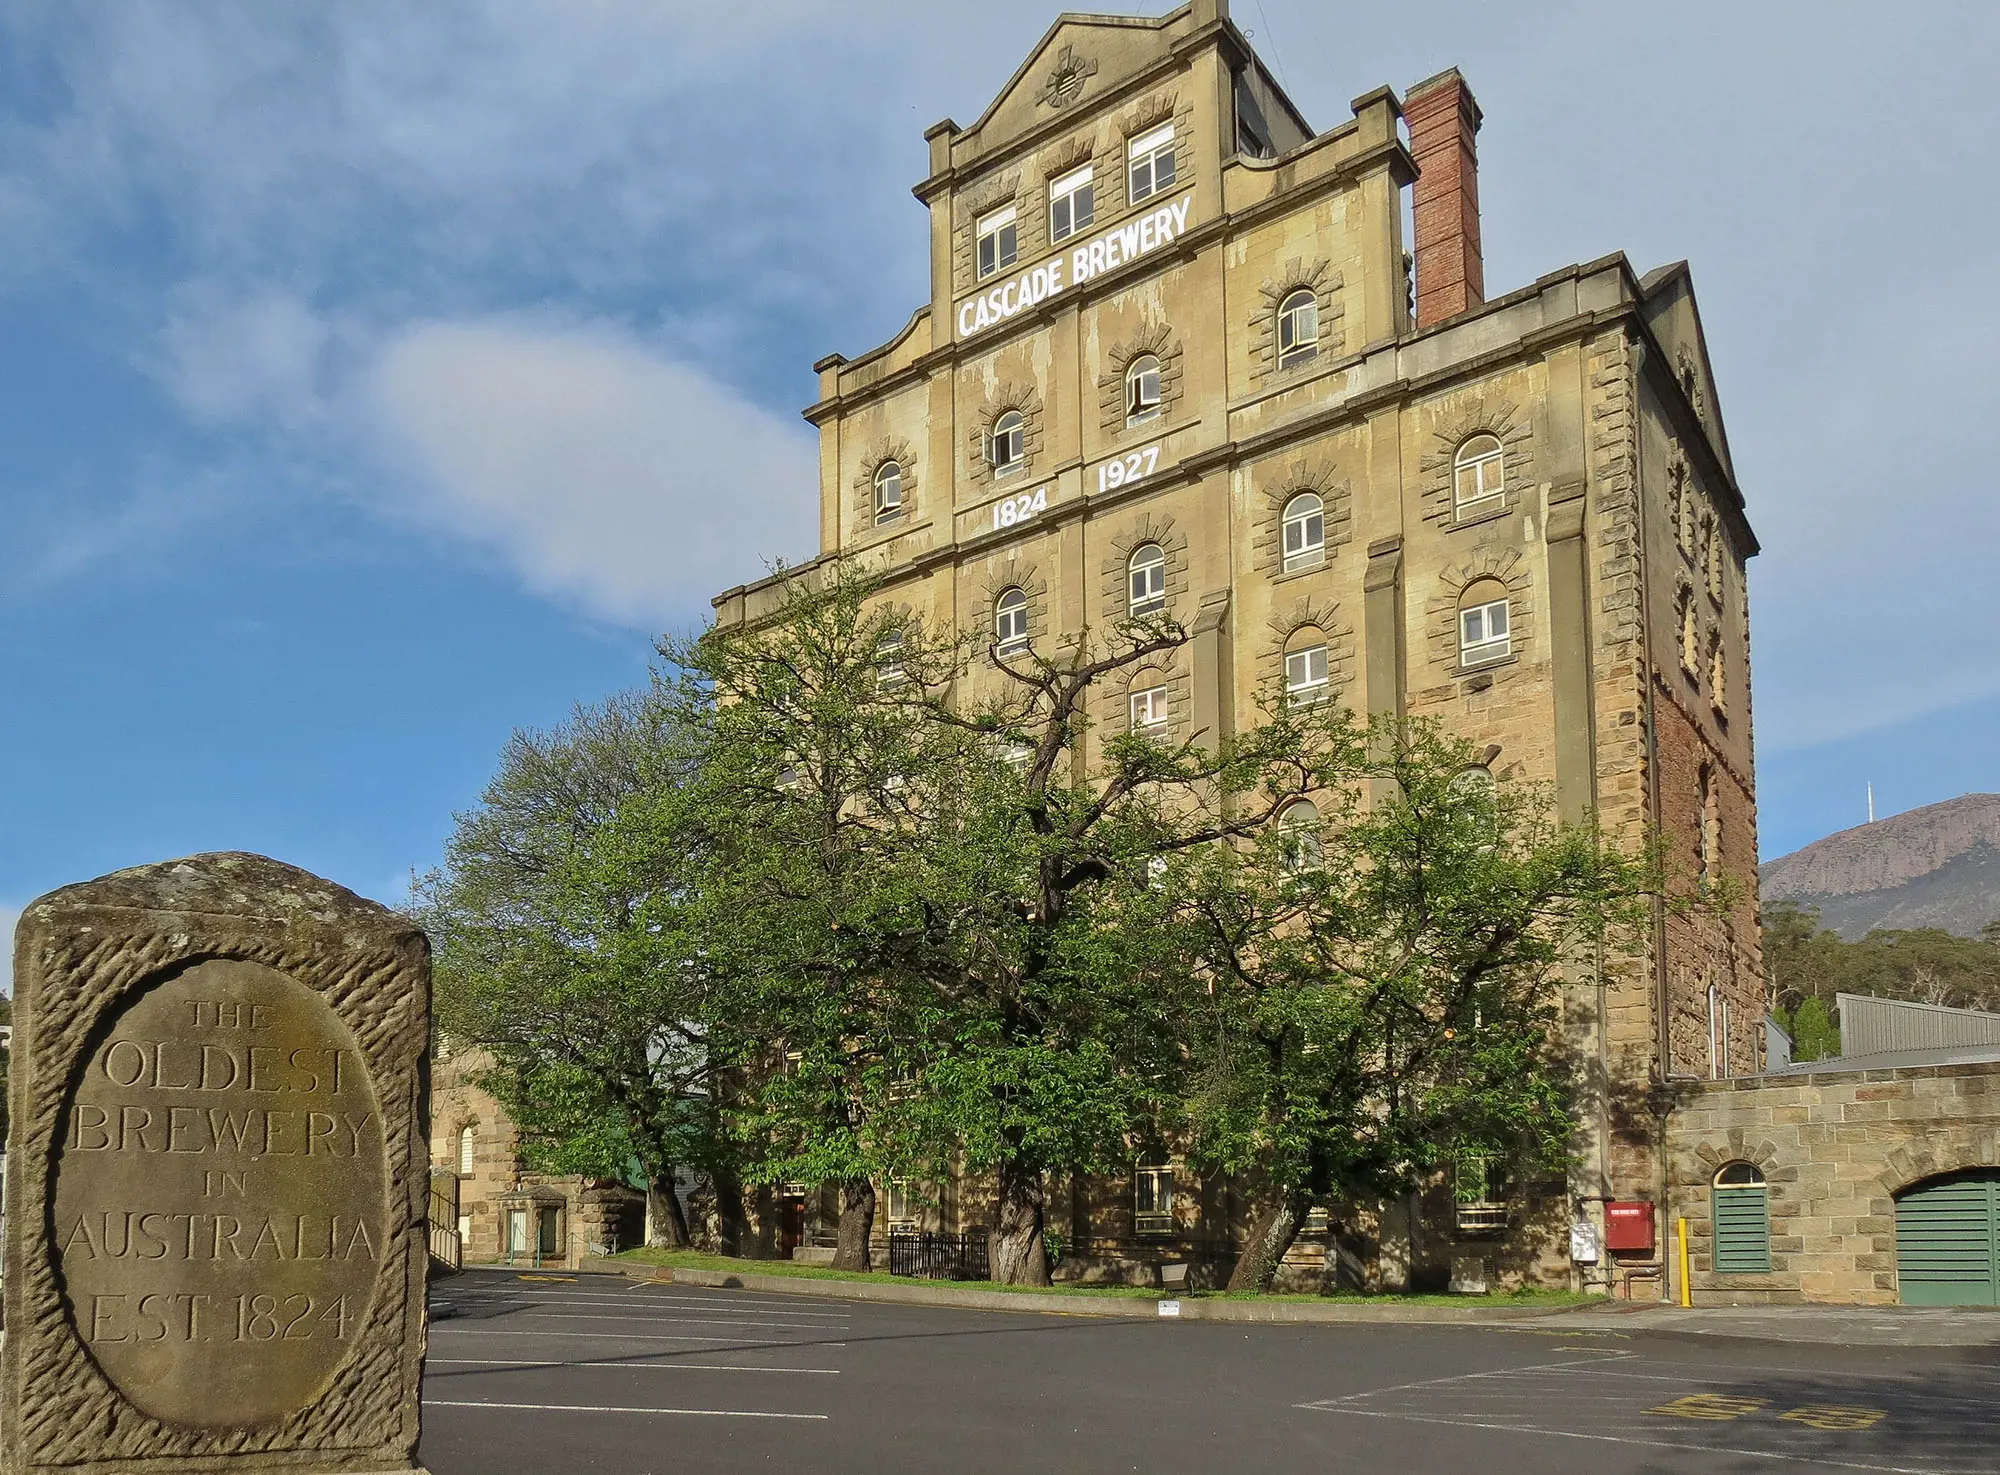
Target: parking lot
x=588 y=1373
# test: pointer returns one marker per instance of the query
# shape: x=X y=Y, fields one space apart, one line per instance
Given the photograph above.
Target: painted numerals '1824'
x=1130 y=468
x=1019 y=509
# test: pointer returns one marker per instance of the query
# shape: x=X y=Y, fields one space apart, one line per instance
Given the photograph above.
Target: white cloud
x=607 y=474
x=256 y=355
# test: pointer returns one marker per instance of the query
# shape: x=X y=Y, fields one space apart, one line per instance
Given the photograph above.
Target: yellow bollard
x=1681 y=1235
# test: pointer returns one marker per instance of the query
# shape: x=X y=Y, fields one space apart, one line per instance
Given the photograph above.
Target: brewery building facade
x=1184 y=353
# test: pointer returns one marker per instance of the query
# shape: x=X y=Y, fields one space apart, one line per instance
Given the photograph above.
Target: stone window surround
x=1007 y=395
x=1326 y=284
x=1150 y=527
x=1507 y=567
x=1267 y=541
x=1304 y=615
x=1020 y=574
x=1170 y=671
x=888 y=448
x=1438 y=468
x=1154 y=338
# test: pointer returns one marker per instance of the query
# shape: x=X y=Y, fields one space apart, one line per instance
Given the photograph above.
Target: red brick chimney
x=1442 y=119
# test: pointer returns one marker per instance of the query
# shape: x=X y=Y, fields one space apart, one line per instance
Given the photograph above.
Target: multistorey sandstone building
x=1172 y=359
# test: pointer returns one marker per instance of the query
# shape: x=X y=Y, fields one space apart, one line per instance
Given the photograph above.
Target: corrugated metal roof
x=1872 y=1026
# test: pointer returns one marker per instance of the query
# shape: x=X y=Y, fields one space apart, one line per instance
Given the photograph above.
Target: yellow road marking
x=1718 y=1407
x=1836 y=1416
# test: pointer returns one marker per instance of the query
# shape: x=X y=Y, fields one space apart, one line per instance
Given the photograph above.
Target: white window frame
x=1010 y=621
x=1142 y=401
x=1486 y=470
x=1304 y=532
x=1487 y=647
x=901 y=1195
x=1001 y=229
x=1482 y=1213
x=1306 y=676
x=889 y=672
x=1300 y=838
x=468 y=1145
x=1144 y=176
x=1147 y=708
x=1152 y=1197
x=889 y=481
x=1080 y=212
x=1298 y=321
x=1146 y=580
x=1010 y=430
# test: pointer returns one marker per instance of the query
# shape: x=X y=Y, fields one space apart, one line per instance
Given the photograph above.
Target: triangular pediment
x=1079 y=59
x=1675 y=319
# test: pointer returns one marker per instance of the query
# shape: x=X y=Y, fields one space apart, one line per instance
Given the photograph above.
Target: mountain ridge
x=1936 y=866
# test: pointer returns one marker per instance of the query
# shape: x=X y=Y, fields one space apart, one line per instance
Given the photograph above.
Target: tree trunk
x=732 y=1225
x=1272 y=1229
x=663 y=1212
x=1015 y=1254
x=857 y=1223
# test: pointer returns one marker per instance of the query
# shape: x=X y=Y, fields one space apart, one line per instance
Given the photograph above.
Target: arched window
x=1010 y=622
x=888 y=491
x=1485 y=629
x=1305 y=669
x=1299 y=840
x=1304 y=529
x=1478 y=474
x=1298 y=328
x=889 y=672
x=1473 y=784
x=1147 y=580
x=1742 y=1212
x=468 y=1139
x=1007 y=447
x=1718 y=675
x=1686 y=531
x=1147 y=706
x=1153 y=1194
x=1713 y=561
x=1142 y=389
x=1690 y=634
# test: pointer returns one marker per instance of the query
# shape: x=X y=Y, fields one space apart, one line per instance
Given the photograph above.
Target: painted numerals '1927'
x=1019 y=509
x=1136 y=466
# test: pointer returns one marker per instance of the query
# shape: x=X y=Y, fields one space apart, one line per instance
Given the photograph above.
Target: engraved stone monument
x=216 y=1242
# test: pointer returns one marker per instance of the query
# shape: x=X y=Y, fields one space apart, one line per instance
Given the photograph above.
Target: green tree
x=567 y=944
x=1815 y=1035
x=819 y=775
x=1381 y=990
x=1040 y=966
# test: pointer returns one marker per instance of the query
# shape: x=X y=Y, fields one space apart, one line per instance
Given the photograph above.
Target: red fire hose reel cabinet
x=1628 y=1225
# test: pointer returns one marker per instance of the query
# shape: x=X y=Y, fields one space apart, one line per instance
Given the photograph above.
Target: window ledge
x=1299 y=573
x=1464 y=672
x=1483 y=515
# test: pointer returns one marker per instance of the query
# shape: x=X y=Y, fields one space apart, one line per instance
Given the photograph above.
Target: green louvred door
x=1948 y=1241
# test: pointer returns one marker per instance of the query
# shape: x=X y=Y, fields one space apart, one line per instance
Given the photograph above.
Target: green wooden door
x=1948 y=1241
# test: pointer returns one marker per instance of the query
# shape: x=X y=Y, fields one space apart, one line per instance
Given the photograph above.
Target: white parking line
x=663 y=1367
x=601 y=1408
x=501 y=1331
x=797 y=1326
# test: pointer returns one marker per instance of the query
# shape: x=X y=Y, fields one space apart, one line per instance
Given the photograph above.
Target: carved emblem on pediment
x=1065 y=84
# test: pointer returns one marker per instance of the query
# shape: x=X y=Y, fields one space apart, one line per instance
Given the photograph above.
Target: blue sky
x=379 y=378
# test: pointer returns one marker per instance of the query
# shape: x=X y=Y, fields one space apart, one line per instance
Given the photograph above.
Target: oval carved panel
x=220 y=1197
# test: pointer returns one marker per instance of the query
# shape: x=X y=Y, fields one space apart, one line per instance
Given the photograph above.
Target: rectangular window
x=1479 y=1184
x=1742 y=1229
x=1072 y=204
x=999 y=242
x=1149 y=708
x=1482 y=633
x=1151 y=163
x=1305 y=675
x=902 y=1204
x=1152 y=1199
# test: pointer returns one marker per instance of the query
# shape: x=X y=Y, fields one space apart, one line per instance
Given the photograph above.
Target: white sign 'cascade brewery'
x=1114 y=247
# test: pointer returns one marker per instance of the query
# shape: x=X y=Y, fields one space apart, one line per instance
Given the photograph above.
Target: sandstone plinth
x=216 y=1239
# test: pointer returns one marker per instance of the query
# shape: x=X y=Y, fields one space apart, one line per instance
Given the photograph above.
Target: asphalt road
x=533 y=1375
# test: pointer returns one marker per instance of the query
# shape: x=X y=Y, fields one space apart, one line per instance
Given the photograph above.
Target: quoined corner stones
x=216 y=1242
